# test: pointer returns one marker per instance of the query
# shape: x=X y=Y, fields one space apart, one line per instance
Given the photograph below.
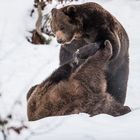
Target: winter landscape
x=23 y=65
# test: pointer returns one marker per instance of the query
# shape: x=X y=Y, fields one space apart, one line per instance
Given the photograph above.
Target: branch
x=39 y=20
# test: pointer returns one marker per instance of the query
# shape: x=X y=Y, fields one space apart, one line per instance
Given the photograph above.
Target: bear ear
x=71 y=10
x=53 y=11
x=108 y=52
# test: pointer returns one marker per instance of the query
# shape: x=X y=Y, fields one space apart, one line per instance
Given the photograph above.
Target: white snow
x=22 y=65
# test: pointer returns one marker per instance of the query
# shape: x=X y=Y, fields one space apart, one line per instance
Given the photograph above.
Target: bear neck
x=90 y=25
x=93 y=21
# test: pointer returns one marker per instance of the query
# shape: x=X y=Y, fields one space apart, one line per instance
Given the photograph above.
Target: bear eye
x=61 y=27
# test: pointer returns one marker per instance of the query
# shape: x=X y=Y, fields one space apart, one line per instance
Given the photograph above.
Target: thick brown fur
x=84 y=91
x=87 y=23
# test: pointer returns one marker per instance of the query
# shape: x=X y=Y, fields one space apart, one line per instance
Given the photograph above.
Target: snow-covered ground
x=23 y=65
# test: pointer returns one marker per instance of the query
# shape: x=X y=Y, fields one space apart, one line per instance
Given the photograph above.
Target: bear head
x=66 y=24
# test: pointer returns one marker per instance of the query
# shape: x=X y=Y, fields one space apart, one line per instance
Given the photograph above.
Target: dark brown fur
x=87 y=23
x=84 y=91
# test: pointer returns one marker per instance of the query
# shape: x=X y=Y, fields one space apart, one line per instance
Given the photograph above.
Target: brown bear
x=65 y=70
x=77 y=25
x=84 y=91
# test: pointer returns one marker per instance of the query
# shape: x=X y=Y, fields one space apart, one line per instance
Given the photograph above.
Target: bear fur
x=65 y=70
x=84 y=91
x=77 y=25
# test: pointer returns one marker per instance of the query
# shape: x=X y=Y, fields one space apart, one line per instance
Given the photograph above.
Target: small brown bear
x=89 y=23
x=84 y=91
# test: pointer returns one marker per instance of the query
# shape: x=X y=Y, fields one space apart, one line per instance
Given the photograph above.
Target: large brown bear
x=84 y=91
x=88 y=23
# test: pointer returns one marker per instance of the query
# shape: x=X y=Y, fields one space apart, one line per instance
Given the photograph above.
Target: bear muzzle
x=60 y=37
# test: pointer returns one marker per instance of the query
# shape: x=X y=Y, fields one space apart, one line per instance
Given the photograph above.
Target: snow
x=23 y=65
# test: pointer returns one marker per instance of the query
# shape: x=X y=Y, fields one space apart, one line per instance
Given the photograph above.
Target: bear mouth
x=75 y=37
x=67 y=42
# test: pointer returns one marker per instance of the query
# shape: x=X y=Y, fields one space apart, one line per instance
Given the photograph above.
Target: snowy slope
x=23 y=65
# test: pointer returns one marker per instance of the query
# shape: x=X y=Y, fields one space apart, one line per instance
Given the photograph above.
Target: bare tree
x=37 y=35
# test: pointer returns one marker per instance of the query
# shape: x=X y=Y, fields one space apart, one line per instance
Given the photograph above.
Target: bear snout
x=60 y=37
